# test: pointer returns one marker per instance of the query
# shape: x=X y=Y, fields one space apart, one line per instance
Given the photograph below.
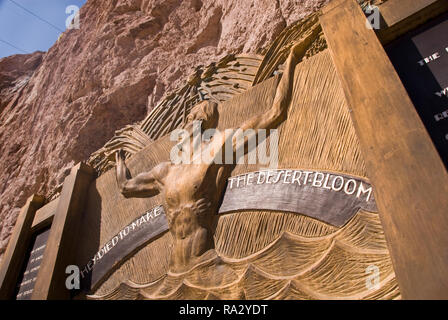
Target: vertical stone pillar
x=61 y=246
x=410 y=180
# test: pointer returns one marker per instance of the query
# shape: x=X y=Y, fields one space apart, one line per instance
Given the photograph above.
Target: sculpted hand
x=119 y=156
x=121 y=168
x=296 y=50
x=201 y=207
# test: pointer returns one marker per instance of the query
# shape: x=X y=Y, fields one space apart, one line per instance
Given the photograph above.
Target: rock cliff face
x=60 y=106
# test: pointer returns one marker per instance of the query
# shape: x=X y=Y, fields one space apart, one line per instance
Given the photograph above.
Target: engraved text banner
x=330 y=197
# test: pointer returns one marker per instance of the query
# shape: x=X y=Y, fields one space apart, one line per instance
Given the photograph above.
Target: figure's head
x=206 y=112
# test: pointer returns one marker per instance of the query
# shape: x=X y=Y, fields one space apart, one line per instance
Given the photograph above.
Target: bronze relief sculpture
x=250 y=253
x=192 y=191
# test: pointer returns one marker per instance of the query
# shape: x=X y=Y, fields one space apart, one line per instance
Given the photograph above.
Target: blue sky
x=26 y=32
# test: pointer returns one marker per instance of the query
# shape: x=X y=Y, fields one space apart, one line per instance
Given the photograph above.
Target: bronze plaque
x=34 y=258
x=421 y=61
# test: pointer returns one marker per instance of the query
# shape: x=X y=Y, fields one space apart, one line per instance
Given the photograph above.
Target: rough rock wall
x=15 y=72
x=60 y=106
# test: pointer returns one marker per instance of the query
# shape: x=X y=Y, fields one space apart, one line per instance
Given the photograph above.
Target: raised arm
x=277 y=113
x=267 y=120
x=146 y=184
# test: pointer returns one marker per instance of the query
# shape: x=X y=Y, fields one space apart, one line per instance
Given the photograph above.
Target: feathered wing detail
x=217 y=82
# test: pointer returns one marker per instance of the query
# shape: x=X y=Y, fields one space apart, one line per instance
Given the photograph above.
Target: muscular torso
x=191 y=193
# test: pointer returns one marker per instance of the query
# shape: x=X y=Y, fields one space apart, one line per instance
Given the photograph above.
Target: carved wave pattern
x=292 y=266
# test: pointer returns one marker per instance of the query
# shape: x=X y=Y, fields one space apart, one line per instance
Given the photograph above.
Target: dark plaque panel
x=421 y=61
x=33 y=261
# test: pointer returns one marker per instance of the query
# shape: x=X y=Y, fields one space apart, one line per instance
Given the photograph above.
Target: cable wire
x=35 y=15
x=10 y=44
